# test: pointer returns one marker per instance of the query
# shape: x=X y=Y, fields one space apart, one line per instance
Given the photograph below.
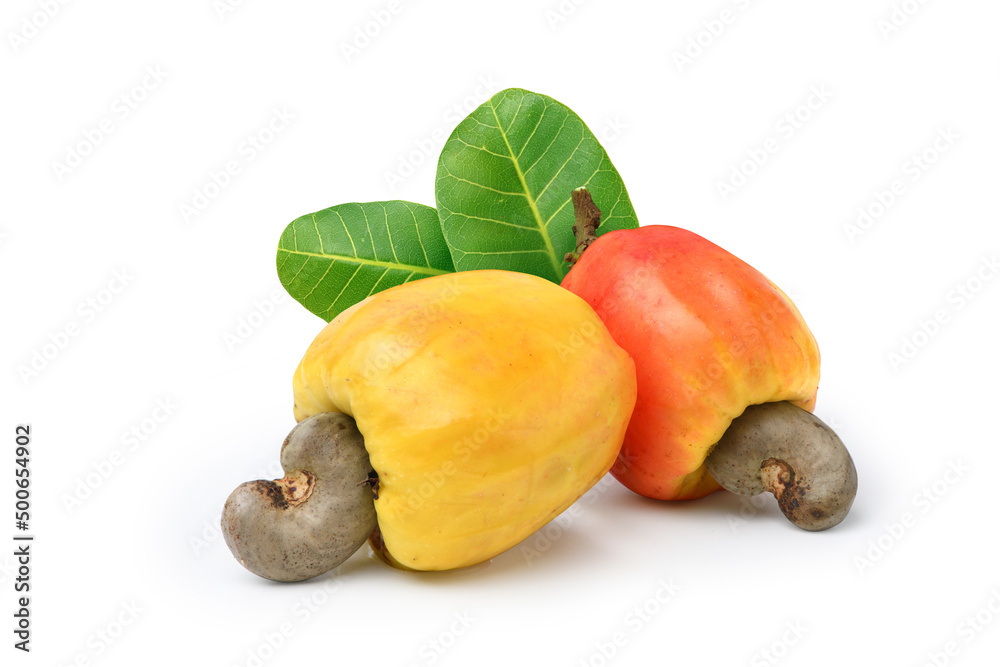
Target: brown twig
x=588 y=219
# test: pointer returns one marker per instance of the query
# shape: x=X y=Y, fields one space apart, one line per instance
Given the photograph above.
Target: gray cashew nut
x=317 y=515
x=781 y=448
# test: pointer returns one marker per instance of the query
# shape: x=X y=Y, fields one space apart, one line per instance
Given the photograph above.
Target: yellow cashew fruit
x=489 y=402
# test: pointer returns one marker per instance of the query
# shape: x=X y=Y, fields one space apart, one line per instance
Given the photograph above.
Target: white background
x=139 y=560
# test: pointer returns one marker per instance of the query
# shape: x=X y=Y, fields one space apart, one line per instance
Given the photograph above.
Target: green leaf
x=504 y=185
x=334 y=258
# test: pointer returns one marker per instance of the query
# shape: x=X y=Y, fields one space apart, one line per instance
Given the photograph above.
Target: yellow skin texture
x=489 y=402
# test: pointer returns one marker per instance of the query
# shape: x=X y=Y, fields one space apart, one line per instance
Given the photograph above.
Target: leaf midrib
x=549 y=248
x=369 y=262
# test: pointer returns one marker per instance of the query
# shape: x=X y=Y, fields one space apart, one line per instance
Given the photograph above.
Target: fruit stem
x=588 y=219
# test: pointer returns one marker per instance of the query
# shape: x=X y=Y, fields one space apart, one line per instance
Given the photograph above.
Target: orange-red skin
x=709 y=334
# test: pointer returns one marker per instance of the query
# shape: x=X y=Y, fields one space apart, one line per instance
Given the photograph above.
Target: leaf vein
x=556 y=264
x=416 y=226
x=369 y=262
x=568 y=160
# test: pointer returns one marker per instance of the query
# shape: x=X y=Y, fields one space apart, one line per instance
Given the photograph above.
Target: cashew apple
x=489 y=401
x=710 y=336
